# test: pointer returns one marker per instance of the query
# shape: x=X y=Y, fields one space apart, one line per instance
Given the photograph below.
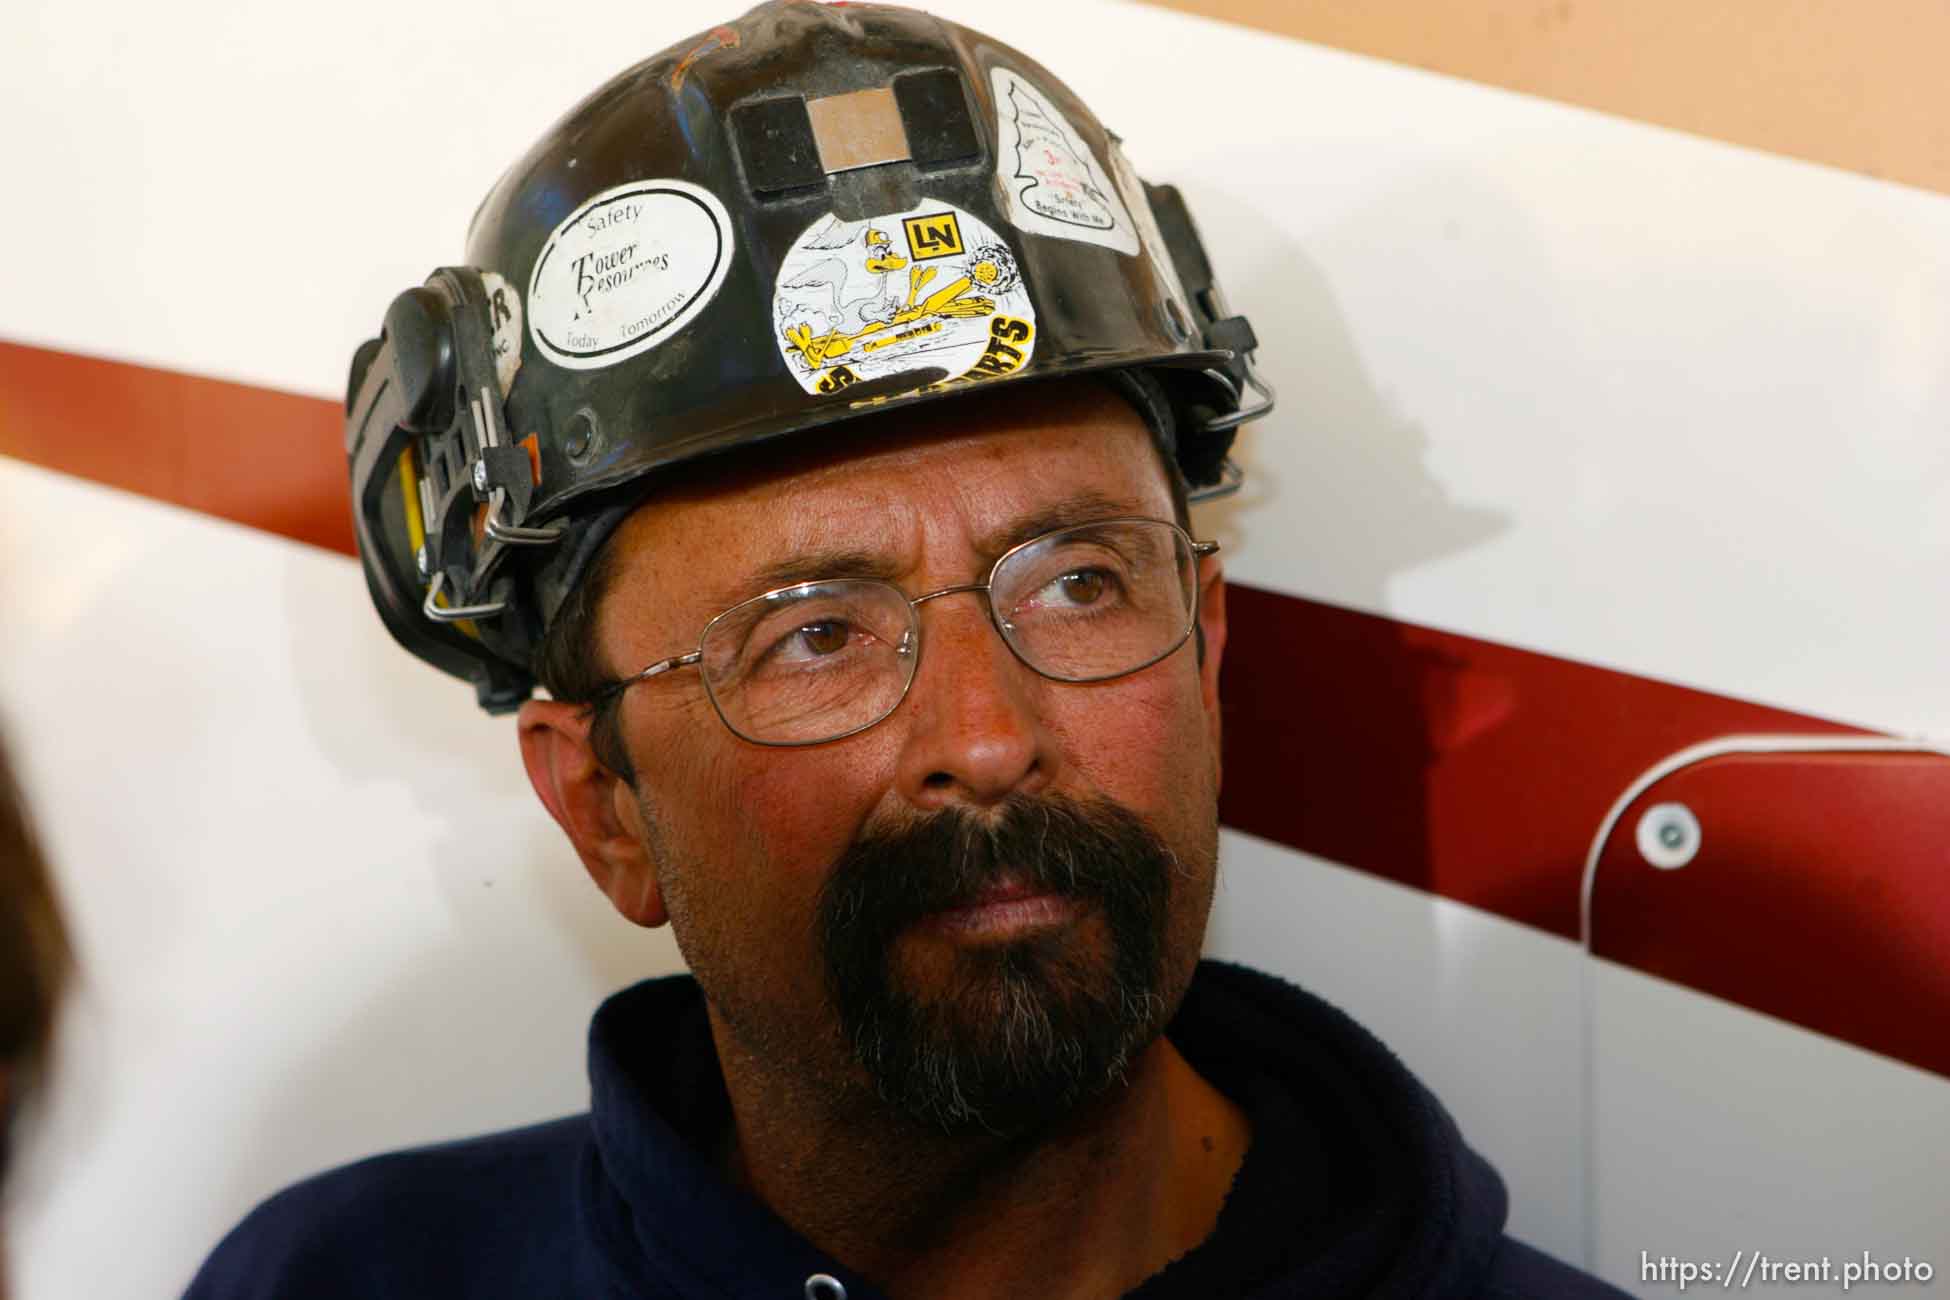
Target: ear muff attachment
x=1210 y=404
x=440 y=493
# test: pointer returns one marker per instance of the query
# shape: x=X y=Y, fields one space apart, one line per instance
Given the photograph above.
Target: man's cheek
x=1143 y=730
x=796 y=818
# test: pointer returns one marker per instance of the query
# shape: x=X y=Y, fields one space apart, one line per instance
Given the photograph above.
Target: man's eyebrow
x=807 y=566
x=855 y=562
x=1082 y=507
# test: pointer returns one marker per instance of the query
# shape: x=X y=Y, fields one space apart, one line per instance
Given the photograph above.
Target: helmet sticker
x=932 y=288
x=626 y=271
x=1055 y=185
x=1146 y=221
x=504 y=315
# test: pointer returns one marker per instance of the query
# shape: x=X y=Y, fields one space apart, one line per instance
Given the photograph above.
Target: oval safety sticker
x=932 y=291
x=627 y=270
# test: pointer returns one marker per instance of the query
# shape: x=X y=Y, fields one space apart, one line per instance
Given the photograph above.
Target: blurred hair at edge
x=34 y=962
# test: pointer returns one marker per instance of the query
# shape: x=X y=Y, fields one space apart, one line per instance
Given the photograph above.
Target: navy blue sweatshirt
x=1357 y=1184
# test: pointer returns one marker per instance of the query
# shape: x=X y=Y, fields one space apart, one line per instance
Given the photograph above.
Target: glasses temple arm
x=616 y=688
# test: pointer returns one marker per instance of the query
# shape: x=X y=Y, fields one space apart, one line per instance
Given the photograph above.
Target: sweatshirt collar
x=1425 y=1212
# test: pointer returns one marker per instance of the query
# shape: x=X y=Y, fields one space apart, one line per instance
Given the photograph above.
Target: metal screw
x=1668 y=836
x=582 y=432
x=1175 y=321
x=480 y=476
x=420 y=563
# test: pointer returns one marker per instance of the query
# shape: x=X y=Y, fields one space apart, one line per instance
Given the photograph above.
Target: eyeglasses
x=819 y=661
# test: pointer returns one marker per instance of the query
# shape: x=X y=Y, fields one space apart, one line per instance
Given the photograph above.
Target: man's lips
x=1006 y=908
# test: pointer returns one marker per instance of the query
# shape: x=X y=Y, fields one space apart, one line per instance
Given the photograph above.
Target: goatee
x=1021 y=1031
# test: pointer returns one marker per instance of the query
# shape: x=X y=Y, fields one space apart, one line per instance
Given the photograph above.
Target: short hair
x=570 y=661
x=34 y=953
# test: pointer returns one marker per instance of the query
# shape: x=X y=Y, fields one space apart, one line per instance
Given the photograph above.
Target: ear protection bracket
x=1219 y=328
x=440 y=492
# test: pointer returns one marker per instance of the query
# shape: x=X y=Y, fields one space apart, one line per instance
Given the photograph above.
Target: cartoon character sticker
x=922 y=291
x=1055 y=185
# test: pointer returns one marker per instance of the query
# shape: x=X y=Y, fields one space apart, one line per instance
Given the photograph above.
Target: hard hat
x=793 y=219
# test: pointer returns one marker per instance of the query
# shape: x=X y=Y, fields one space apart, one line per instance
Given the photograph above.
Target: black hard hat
x=810 y=213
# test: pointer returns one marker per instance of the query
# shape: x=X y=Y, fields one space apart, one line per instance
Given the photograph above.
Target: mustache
x=1083 y=850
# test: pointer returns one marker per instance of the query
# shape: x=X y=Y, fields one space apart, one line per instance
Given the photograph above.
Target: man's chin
x=1017 y=1034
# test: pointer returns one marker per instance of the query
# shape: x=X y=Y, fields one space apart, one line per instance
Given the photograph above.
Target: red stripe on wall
x=1469 y=769
x=273 y=460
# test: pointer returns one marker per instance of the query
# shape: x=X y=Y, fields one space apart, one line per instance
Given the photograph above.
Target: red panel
x=1466 y=768
x=273 y=460
x=1820 y=894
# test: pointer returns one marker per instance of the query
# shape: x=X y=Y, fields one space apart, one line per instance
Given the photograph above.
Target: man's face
x=983 y=905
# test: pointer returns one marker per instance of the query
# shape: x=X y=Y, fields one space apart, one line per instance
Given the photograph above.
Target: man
x=34 y=966
x=885 y=670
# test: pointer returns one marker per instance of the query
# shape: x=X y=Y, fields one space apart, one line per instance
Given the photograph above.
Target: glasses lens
x=810 y=663
x=1097 y=601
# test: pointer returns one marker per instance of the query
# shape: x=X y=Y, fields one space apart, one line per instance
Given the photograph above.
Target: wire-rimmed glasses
x=818 y=661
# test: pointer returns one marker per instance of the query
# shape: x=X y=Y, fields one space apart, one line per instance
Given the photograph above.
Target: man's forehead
x=1002 y=469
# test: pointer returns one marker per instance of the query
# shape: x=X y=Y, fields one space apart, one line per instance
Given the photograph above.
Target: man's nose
x=973 y=734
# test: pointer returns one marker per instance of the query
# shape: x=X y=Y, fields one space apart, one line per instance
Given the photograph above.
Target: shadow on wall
x=1332 y=718
x=462 y=771
x=467 y=1012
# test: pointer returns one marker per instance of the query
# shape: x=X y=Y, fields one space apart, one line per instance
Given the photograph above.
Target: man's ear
x=1212 y=640
x=595 y=808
